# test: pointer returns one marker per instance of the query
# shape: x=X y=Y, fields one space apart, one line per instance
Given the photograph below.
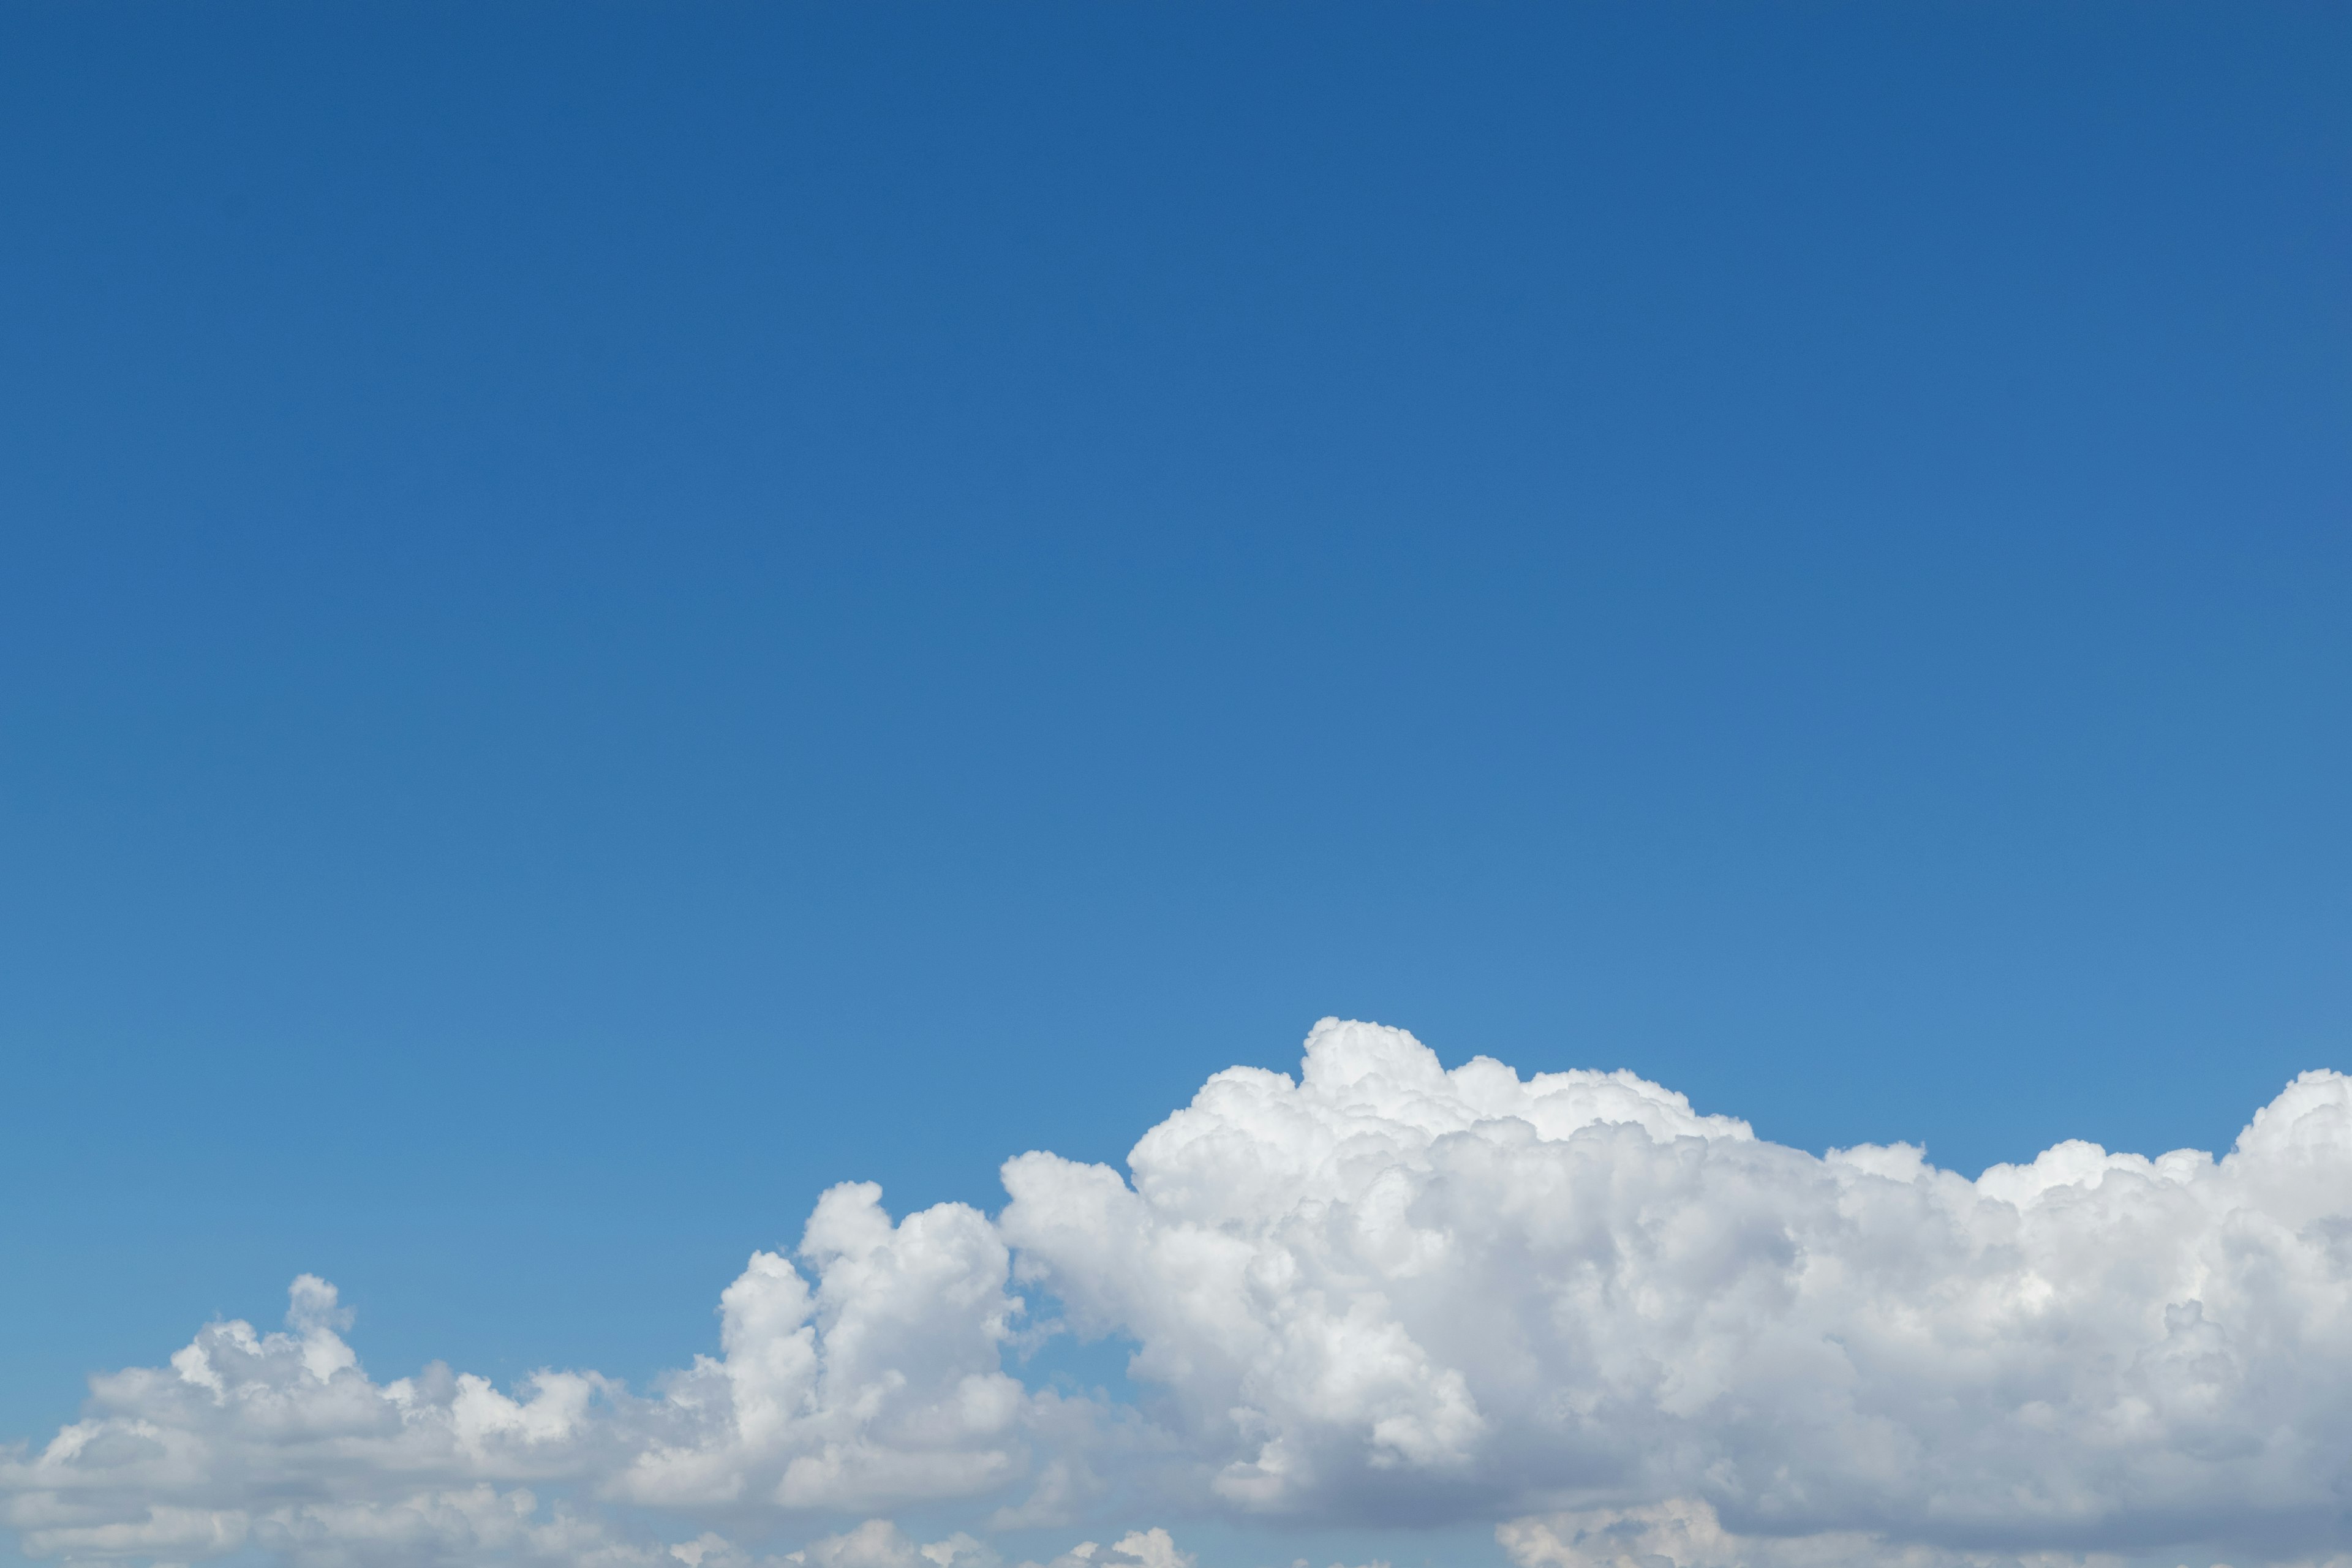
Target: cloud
x=1387 y=1291
x=1687 y=1533
x=880 y=1543
x=1137 y=1549
x=873 y=1379
x=883 y=1385
x=1379 y=1293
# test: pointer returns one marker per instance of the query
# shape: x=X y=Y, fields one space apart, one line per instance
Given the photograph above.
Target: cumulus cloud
x=1688 y=1533
x=880 y=1543
x=1137 y=1549
x=1382 y=1292
x=1388 y=1290
x=873 y=1379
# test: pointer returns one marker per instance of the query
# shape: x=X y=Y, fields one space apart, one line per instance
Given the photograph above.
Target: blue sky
x=615 y=615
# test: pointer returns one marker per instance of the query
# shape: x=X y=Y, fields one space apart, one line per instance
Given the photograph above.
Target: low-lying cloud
x=1383 y=1293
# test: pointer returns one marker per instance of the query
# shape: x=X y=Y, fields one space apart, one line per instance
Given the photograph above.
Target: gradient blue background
x=611 y=616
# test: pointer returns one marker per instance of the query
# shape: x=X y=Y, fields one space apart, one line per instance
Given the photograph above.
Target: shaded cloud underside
x=1381 y=1293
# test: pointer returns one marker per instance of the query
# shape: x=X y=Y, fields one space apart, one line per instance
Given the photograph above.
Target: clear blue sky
x=610 y=615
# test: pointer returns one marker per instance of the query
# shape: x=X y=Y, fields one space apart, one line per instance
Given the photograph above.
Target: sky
x=612 y=617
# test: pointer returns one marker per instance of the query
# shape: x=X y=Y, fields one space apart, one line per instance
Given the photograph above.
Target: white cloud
x=880 y=1543
x=879 y=1385
x=1683 y=1532
x=882 y=1385
x=1391 y=1291
x=1137 y=1549
x=1382 y=1293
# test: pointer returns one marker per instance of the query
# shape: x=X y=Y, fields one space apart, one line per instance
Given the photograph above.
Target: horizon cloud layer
x=1382 y=1293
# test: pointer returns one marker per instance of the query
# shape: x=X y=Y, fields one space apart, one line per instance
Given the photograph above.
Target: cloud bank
x=1381 y=1293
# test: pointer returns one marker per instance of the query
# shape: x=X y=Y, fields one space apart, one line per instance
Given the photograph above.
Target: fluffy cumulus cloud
x=1380 y=1293
x=873 y=1378
x=1392 y=1290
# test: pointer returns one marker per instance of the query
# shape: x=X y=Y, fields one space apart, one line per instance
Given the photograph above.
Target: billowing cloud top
x=1384 y=1292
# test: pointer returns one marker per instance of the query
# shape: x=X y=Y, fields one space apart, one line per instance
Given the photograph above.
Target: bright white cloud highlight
x=1380 y=1293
